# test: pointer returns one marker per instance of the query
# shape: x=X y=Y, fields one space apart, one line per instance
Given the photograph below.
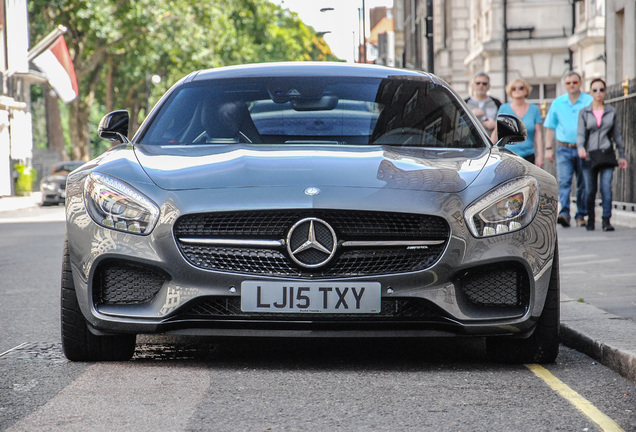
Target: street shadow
x=312 y=353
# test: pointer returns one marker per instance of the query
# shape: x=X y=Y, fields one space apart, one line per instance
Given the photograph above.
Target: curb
x=623 y=218
x=623 y=214
x=607 y=338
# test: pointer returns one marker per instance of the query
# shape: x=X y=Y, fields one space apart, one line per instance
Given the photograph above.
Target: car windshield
x=403 y=111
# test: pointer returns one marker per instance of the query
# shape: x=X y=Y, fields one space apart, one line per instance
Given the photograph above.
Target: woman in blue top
x=532 y=148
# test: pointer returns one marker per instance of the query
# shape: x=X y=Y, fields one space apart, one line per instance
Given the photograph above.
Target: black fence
x=625 y=180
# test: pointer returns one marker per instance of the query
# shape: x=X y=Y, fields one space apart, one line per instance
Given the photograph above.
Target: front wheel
x=78 y=343
x=543 y=345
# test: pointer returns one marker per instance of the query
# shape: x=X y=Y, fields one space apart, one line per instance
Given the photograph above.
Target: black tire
x=543 y=345
x=78 y=343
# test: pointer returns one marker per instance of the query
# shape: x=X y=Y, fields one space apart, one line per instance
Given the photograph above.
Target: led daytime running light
x=509 y=207
x=116 y=205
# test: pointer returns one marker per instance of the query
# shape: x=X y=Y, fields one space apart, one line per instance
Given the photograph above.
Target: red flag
x=57 y=65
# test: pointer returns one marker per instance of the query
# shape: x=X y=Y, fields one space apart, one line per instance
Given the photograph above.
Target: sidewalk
x=608 y=338
x=595 y=267
x=8 y=203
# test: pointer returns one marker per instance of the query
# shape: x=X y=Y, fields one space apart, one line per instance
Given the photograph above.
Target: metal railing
x=623 y=98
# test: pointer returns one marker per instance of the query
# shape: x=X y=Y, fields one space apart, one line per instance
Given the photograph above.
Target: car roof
x=308 y=69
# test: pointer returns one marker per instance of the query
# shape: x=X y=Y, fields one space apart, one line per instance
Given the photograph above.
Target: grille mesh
x=230 y=308
x=126 y=284
x=275 y=263
x=355 y=225
x=348 y=225
x=503 y=286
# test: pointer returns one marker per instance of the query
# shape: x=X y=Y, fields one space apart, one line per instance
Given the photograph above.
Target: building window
x=541 y=92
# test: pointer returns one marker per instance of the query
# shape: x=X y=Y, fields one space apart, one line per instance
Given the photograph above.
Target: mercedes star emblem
x=311 y=191
x=311 y=242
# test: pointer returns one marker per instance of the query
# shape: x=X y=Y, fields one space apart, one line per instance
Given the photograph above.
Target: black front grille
x=117 y=283
x=505 y=285
x=355 y=225
x=406 y=309
x=276 y=263
x=348 y=226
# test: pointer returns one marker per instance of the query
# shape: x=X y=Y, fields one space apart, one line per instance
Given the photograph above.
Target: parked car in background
x=53 y=186
x=310 y=200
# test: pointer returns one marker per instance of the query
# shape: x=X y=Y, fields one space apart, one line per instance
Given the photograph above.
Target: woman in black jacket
x=597 y=128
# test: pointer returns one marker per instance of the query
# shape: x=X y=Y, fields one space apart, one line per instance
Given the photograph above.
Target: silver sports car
x=310 y=200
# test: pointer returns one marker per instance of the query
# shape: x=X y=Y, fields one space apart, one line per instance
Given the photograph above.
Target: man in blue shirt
x=562 y=120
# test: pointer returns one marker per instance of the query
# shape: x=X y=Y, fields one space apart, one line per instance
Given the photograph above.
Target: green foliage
x=25 y=180
x=117 y=44
x=96 y=145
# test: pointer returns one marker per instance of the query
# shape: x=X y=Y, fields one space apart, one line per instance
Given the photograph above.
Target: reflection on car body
x=310 y=200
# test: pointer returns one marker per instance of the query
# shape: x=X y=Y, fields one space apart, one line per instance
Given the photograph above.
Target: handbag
x=603 y=158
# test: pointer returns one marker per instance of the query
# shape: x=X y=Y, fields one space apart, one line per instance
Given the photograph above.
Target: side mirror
x=510 y=130
x=114 y=126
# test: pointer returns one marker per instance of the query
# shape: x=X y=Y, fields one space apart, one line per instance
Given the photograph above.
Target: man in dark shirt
x=483 y=106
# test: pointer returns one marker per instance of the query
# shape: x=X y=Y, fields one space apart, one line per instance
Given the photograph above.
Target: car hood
x=225 y=166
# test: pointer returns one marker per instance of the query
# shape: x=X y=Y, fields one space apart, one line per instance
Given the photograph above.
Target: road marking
x=33 y=219
x=575 y=258
x=590 y=263
x=613 y=275
x=601 y=276
x=141 y=397
x=585 y=406
x=572 y=272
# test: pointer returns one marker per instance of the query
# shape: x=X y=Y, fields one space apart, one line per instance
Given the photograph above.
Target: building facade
x=537 y=40
x=16 y=139
x=620 y=37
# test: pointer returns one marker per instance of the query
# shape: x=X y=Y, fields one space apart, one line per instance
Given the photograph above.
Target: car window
x=401 y=111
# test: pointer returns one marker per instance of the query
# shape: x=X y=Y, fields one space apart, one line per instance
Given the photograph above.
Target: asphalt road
x=185 y=384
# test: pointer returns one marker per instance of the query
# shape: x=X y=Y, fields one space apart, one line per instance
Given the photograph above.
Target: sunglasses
x=572 y=82
x=481 y=83
x=518 y=88
x=598 y=90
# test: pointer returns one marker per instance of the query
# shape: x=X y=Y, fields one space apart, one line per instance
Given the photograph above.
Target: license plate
x=311 y=297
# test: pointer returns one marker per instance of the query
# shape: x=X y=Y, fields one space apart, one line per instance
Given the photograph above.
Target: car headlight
x=49 y=185
x=509 y=207
x=114 y=204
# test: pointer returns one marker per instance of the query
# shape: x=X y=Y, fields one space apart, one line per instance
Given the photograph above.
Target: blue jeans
x=591 y=186
x=568 y=164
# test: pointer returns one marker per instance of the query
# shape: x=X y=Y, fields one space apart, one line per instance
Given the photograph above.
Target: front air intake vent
x=125 y=283
x=504 y=285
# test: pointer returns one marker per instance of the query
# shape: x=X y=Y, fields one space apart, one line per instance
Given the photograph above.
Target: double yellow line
x=604 y=422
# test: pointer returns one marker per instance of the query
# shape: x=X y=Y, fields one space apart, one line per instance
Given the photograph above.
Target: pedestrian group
x=587 y=133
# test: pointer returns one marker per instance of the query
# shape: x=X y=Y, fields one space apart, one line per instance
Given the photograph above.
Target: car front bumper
x=152 y=288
